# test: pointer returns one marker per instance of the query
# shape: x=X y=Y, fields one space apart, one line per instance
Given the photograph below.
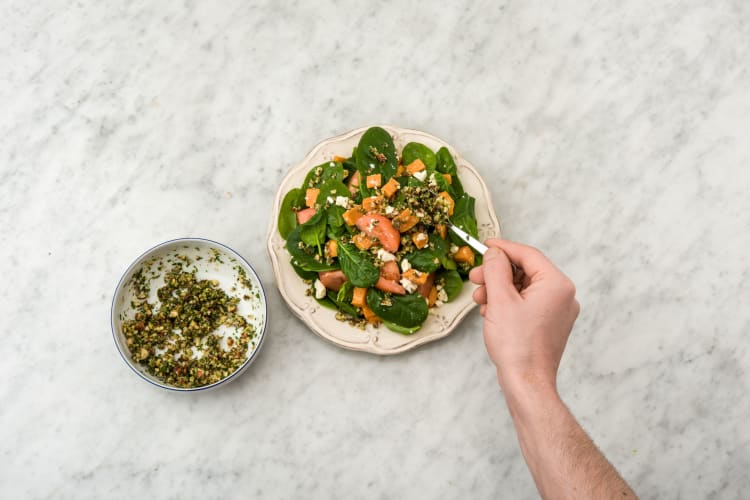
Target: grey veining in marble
x=614 y=136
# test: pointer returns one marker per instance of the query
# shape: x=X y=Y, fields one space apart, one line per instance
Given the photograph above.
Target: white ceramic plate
x=441 y=321
x=252 y=304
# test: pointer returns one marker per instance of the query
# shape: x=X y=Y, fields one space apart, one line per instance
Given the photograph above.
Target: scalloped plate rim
x=309 y=318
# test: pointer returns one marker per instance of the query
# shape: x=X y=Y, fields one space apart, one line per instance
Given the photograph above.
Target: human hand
x=526 y=324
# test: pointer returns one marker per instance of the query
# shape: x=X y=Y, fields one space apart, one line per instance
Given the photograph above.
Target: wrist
x=526 y=394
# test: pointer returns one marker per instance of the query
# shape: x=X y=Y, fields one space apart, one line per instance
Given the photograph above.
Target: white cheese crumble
x=421 y=237
x=342 y=201
x=421 y=175
x=432 y=182
x=438 y=303
x=329 y=200
x=405 y=265
x=389 y=210
x=385 y=256
x=419 y=214
x=442 y=295
x=454 y=249
x=408 y=285
x=320 y=290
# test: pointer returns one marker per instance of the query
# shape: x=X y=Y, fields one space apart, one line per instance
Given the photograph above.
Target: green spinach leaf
x=357 y=266
x=287 y=216
x=463 y=217
x=376 y=154
x=331 y=189
x=302 y=255
x=403 y=310
x=446 y=165
x=313 y=232
x=425 y=260
x=343 y=306
x=401 y=329
x=305 y=275
x=452 y=283
x=417 y=151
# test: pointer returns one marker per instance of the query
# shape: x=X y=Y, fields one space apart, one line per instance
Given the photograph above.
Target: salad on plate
x=369 y=232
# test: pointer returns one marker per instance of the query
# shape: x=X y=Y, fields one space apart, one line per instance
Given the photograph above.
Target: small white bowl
x=441 y=321
x=224 y=270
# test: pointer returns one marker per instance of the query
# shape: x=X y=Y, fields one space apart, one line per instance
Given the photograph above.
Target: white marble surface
x=614 y=136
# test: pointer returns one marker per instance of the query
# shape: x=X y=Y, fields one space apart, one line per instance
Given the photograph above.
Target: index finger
x=531 y=260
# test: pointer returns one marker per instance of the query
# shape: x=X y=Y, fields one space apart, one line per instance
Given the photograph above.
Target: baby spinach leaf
x=336 y=226
x=401 y=329
x=404 y=310
x=305 y=275
x=302 y=255
x=446 y=165
x=357 y=266
x=417 y=151
x=440 y=247
x=376 y=154
x=463 y=217
x=342 y=305
x=313 y=232
x=335 y=215
x=327 y=303
x=345 y=293
x=332 y=171
x=442 y=183
x=287 y=216
x=331 y=189
x=425 y=260
x=452 y=283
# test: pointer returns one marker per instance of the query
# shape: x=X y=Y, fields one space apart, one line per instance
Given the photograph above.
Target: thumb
x=498 y=275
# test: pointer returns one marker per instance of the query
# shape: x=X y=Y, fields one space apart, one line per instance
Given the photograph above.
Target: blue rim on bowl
x=165 y=247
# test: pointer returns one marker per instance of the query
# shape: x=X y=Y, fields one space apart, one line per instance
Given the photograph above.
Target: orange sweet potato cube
x=372 y=203
x=432 y=297
x=448 y=200
x=415 y=166
x=415 y=276
x=464 y=254
x=359 y=297
x=370 y=315
x=352 y=215
x=420 y=240
x=362 y=241
x=391 y=187
x=332 y=248
x=405 y=221
x=311 y=195
x=374 y=180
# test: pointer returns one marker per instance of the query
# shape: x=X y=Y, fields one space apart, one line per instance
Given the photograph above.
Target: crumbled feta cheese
x=438 y=303
x=442 y=295
x=419 y=214
x=329 y=200
x=385 y=256
x=331 y=164
x=405 y=265
x=420 y=237
x=342 y=201
x=389 y=210
x=432 y=182
x=320 y=290
x=421 y=175
x=408 y=285
x=454 y=249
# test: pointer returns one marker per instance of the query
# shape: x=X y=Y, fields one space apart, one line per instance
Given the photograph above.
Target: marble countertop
x=613 y=136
